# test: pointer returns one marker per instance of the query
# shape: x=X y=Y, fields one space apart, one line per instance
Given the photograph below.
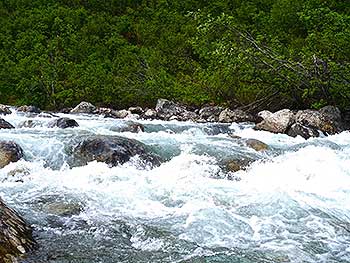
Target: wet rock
x=106 y=112
x=63 y=123
x=15 y=235
x=63 y=209
x=166 y=109
x=46 y=115
x=303 y=131
x=5 y=125
x=129 y=126
x=30 y=109
x=236 y=165
x=9 y=152
x=229 y=116
x=257 y=145
x=136 y=110
x=264 y=114
x=278 y=122
x=30 y=124
x=150 y=114
x=121 y=114
x=5 y=109
x=65 y=110
x=210 y=113
x=333 y=114
x=113 y=150
x=317 y=120
x=84 y=107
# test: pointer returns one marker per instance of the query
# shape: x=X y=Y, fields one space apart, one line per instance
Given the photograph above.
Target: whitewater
x=292 y=203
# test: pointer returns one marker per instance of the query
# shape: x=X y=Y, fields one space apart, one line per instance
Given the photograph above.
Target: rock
x=5 y=109
x=236 y=165
x=333 y=114
x=30 y=124
x=65 y=110
x=15 y=235
x=46 y=115
x=113 y=150
x=9 y=152
x=63 y=123
x=62 y=209
x=5 y=125
x=150 y=114
x=277 y=122
x=84 y=107
x=136 y=110
x=257 y=145
x=166 y=109
x=210 y=113
x=303 y=131
x=129 y=126
x=317 y=120
x=106 y=112
x=122 y=114
x=229 y=116
x=264 y=114
x=31 y=109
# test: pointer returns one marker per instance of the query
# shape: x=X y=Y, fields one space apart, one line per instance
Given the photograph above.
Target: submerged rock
x=257 y=145
x=31 y=109
x=277 y=122
x=63 y=123
x=113 y=150
x=5 y=125
x=5 y=109
x=15 y=235
x=62 y=209
x=30 y=124
x=84 y=107
x=9 y=152
x=236 y=165
x=129 y=126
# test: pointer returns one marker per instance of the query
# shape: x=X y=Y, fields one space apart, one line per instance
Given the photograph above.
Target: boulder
x=264 y=114
x=257 y=145
x=63 y=123
x=317 y=120
x=136 y=110
x=60 y=208
x=30 y=124
x=5 y=125
x=229 y=116
x=333 y=114
x=150 y=114
x=65 y=110
x=166 y=109
x=236 y=165
x=210 y=113
x=84 y=107
x=31 y=109
x=121 y=114
x=278 y=122
x=15 y=235
x=9 y=152
x=129 y=126
x=46 y=115
x=303 y=131
x=5 y=109
x=113 y=150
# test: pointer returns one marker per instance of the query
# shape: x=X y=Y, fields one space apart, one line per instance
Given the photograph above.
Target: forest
x=248 y=54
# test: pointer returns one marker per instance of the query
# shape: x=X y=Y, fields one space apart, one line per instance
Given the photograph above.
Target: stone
x=237 y=115
x=136 y=110
x=166 y=109
x=65 y=110
x=62 y=209
x=264 y=114
x=257 y=145
x=129 y=126
x=303 y=131
x=236 y=165
x=15 y=235
x=84 y=107
x=63 y=123
x=5 y=125
x=121 y=114
x=210 y=113
x=5 y=109
x=150 y=114
x=317 y=120
x=30 y=124
x=113 y=150
x=278 y=122
x=46 y=115
x=30 y=109
x=9 y=152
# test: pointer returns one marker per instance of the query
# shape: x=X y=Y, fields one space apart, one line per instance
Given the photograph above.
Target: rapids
x=291 y=205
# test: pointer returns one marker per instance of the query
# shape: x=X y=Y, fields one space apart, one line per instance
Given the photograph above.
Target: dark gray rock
x=9 y=152
x=130 y=126
x=29 y=109
x=237 y=115
x=317 y=120
x=150 y=114
x=210 y=113
x=278 y=122
x=166 y=109
x=136 y=110
x=63 y=123
x=303 y=131
x=84 y=107
x=46 y=115
x=5 y=109
x=15 y=235
x=257 y=145
x=65 y=110
x=30 y=124
x=113 y=150
x=5 y=125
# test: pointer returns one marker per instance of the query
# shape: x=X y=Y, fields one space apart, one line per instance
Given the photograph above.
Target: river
x=292 y=204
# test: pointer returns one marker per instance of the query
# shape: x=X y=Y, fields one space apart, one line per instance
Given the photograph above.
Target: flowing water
x=292 y=204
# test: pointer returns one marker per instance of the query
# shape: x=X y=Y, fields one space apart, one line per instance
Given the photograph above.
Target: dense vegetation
x=242 y=53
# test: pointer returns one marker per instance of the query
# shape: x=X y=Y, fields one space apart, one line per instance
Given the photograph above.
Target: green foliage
x=248 y=53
